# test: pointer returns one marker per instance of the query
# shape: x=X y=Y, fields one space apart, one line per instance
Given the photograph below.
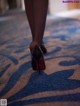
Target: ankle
x=33 y=44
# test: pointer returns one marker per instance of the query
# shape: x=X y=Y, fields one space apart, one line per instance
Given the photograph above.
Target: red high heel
x=38 y=62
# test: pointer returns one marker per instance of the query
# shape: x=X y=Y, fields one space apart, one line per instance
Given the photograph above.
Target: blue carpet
x=60 y=82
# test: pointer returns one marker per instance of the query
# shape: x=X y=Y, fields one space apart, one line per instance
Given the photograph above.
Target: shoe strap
x=40 y=49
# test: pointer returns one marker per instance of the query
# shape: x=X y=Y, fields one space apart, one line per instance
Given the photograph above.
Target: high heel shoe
x=38 y=63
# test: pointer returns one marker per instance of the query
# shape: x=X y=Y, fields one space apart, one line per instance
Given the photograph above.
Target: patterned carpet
x=59 y=84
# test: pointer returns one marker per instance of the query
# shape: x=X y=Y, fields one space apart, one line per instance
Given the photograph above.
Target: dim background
x=56 y=7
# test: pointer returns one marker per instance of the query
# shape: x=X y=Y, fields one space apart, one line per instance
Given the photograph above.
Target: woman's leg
x=30 y=15
x=40 y=13
x=36 y=11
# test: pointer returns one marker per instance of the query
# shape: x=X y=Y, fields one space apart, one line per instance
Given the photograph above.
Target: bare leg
x=30 y=15
x=36 y=11
x=40 y=12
